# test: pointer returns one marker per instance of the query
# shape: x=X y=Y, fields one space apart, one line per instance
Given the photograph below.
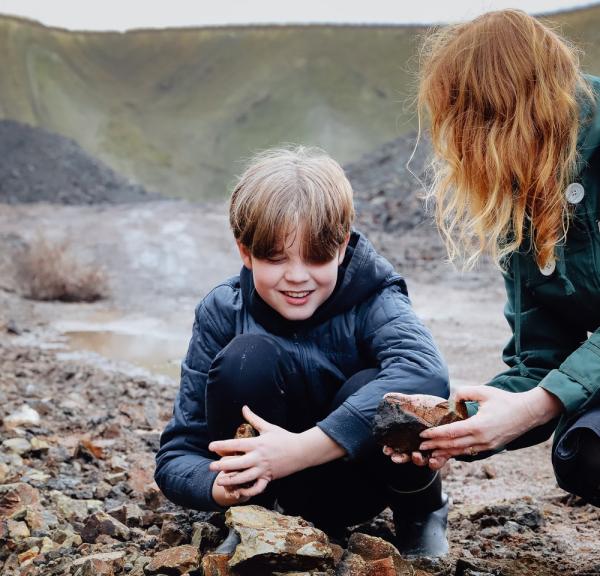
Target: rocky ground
x=77 y=496
x=78 y=432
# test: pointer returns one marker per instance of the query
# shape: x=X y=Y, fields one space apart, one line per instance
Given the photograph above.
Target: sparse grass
x=48 y=270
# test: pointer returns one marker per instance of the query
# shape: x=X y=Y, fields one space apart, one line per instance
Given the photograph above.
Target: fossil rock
x=401 y=418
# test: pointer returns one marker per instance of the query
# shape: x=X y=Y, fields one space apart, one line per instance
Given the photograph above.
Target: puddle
x=146 y=342
x=159 y=355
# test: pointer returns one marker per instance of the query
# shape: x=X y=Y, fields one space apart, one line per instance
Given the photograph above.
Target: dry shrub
x=48 y=270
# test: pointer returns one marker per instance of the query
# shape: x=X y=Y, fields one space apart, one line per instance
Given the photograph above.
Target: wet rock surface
x=400 y=419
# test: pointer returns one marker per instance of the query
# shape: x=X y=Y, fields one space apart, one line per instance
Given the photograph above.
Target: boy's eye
x=275 y=259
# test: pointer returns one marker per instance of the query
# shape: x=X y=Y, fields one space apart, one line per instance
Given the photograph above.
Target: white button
x=548 y=268
x=575 y=193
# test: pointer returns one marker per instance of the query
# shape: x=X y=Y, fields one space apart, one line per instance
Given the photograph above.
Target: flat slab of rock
x=102 y=523
x=401 y=418
x=271 y=542
x=174 y=561
x=372 y=556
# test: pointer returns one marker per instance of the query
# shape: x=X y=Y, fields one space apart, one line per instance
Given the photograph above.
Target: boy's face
x=291 y=286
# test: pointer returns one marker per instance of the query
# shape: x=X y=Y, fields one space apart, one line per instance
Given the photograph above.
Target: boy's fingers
x=419 y=459
x=235 y=464
x=256 y=421
x=240 y=477
x=400 y=458
x=437 y=463
x=258 y=487
x=232 y=446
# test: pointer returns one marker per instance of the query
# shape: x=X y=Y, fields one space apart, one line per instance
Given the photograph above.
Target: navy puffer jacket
x=367 y=322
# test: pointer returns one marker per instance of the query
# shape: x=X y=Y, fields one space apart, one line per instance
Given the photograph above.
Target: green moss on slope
x=178 y=109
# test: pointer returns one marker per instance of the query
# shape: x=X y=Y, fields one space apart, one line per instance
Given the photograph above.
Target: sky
x=127 y=14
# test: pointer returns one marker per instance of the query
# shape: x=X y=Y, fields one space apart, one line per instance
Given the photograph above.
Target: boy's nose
x=296 y=273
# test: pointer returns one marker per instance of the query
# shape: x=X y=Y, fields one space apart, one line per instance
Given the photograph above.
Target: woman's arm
x=520 y=406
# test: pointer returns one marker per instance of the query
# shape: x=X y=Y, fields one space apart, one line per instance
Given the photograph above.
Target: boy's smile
x=290 y=285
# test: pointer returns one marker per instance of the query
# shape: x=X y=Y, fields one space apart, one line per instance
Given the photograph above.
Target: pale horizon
x=115 y=15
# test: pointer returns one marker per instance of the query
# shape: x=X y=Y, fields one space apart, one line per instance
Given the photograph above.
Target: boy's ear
x=343 y=247
x=245 y=255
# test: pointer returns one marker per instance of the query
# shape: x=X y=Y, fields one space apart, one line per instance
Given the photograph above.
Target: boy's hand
x=274 y=454
x=416 y=458
x=227 y=495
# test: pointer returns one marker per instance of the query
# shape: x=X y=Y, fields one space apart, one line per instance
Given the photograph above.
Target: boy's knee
x=248 y=355
x=249 y=364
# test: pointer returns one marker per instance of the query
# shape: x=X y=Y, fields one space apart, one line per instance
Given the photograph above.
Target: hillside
x=176 y=110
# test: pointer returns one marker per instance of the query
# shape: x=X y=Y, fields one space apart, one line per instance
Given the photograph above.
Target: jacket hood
x=362 y=273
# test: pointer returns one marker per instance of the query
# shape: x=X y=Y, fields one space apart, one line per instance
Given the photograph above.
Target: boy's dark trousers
x=253 y=370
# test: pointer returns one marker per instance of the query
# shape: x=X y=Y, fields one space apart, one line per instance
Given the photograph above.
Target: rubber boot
x=420 y=519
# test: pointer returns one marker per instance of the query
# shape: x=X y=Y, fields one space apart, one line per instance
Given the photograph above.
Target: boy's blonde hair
x=503 y=93
x=288 y=191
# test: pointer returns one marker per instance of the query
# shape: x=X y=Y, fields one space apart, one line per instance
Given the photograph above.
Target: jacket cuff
x=349 y=429
x=572 y=393
x=577 y=380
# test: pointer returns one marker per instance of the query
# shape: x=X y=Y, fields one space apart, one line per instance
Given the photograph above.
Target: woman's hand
x=502 y=417
x=276 y=453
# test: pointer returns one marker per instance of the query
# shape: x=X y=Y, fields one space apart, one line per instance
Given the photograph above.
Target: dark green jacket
x=556 y=319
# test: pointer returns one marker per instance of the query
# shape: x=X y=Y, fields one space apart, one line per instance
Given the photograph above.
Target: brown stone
x=382 y=567
x=172 y=534
x=216 y=564
x=17 y=530
x=352 y=565
x=174 y=561
x=129 y=514
x=153 y=497
x=245 y=430
x=400 y=418
x=96 y=567
x=338 y=552
x=89 y=449
x=205 y=536
x=102 y=523
x=101 y=563
x=380 y=556
x=26 y=558
x=16 y=498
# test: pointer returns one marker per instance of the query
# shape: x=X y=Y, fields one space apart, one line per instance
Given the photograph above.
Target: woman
x=515 y=128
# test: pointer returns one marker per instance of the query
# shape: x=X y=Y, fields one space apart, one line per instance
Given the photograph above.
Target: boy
x=305 y=341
